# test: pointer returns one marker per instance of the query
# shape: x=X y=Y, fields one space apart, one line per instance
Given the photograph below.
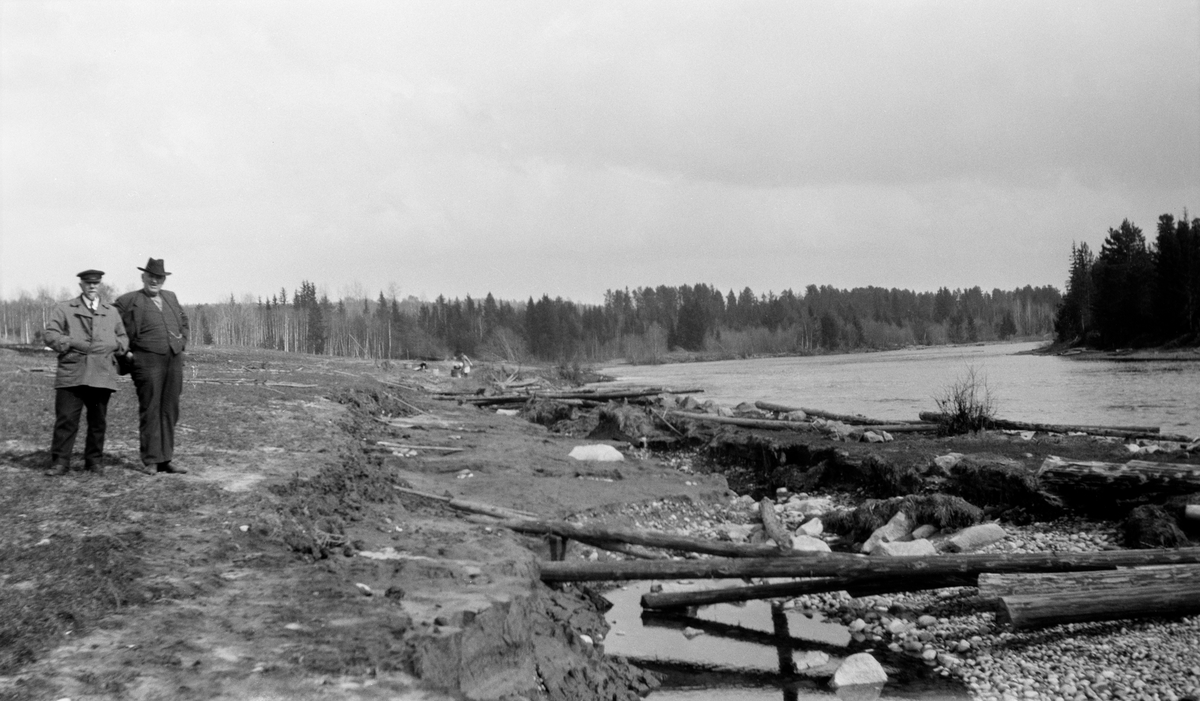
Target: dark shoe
x=170 y=469
x=93 y=467
x=57 y=469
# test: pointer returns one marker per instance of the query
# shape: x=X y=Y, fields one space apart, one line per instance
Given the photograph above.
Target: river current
x=900 y=384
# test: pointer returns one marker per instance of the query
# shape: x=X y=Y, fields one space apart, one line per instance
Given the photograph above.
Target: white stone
x=946 y=463
x=926 y=531
x=873 y=437
x=807 y=543
x=975 y=537
x=893 y=530
x=859 y=668
x=508 y=412
x=596 y=453
x=691 y=633
x=796 y=415
x=814 y=507
x=814 y=527
x=906 y=548
x=1192 y=512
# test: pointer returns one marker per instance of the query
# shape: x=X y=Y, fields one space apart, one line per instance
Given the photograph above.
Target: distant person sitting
x=88 y=335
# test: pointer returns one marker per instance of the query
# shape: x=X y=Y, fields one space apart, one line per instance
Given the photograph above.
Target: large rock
x=908 y=548
x=596 y=453
x=813 y=527
x=975 y=537
x=899 y=528
x=858 y=669
x=809 y=544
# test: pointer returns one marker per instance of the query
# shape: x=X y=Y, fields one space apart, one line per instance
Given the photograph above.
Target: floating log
x=774 y=529
x=1111 y=431
x=852 y=566
x=650 y=539
x=994 y=586
x=1038 y=610
x=770 y=424
x=853 y=419
x=1139 y=475
x=860 y=586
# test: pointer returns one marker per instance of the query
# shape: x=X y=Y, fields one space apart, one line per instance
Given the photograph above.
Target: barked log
x=1110 y=431
x=1040 y=610
x=994 y=586
x=650 y=539
x=473 y=507
x=1140 y=475
x=857 y=566
x=860 y=586
x=588 y=394
x=771 y=525
x=853 y=419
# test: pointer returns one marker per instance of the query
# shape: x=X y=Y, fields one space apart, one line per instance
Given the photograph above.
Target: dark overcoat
x=87 y=343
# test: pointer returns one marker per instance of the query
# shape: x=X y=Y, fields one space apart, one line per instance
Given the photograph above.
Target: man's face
x=90 y=289
x=153 y=283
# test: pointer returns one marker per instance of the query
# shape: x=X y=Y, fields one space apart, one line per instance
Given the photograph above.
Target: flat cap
x=91 y=275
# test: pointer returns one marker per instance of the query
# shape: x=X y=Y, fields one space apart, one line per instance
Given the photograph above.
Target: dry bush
x=966 y=406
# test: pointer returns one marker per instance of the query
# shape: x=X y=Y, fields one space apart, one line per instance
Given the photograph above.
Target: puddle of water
x=747 y=651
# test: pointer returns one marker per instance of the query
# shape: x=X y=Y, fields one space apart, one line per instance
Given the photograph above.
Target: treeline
x=642 y=325
x=1134 y=294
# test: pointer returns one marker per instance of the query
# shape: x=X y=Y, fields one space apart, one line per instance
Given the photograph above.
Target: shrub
x=966 y=405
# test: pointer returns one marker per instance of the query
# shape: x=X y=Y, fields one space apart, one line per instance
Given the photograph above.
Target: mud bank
x=297 y=559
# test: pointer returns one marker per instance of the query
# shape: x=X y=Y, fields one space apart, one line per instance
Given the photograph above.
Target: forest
x=1134 y=294
x=644 y=325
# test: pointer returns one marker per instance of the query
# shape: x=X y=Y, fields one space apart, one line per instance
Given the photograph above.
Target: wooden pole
x=856 y=566
x=994 y=586
x=1039 y=610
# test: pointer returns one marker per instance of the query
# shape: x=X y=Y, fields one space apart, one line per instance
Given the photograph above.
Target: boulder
x=812 y=527
x=798 y=415
x=809 y=544
x=926 y=531
x=1150 y=526
x=945 y=464
x=596 y=453
x=859 y=668
x=908 y=548
x=975 y=537
x=899 y=528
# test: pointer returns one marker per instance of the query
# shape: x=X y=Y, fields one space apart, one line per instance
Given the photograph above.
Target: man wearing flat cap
x=88 y=335
x=158 y=335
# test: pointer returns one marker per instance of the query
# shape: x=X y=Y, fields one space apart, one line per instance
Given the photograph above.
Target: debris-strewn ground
x=310 y=551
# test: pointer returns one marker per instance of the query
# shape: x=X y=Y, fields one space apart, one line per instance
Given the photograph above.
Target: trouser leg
x=96 y=401
x=148 y=375
x=172 y=389
x=68 y=405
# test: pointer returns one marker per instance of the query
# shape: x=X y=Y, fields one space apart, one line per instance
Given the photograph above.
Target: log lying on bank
x=855 y=586
x=1140 y=475
x=473 y=507
x=859 y=566
x=1039 y=610
x=852 y=419
x=769 y=424
x=595 y=395
x=994 y=586
x=651 y=539
x=1110 y=431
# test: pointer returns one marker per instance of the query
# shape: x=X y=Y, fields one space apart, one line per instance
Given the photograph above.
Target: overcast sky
x=568 y=148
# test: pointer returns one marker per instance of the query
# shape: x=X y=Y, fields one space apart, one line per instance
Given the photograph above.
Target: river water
x=900 y=384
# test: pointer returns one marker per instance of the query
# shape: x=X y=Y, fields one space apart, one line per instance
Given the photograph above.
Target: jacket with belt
x=87 y=343
x=143 y=322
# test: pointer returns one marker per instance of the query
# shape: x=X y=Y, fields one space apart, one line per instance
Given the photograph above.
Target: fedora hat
x=155 y=267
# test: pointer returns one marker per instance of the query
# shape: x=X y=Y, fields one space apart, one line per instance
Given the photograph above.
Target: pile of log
x=585 y=397
x=1131 y=432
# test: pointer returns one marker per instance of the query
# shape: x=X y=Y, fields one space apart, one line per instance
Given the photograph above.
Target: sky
x=568 y=148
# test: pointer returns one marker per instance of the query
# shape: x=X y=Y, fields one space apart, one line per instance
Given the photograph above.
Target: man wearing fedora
x=158 y=335
x=88 y=335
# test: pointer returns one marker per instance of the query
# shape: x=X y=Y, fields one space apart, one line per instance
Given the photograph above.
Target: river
x=900 y=384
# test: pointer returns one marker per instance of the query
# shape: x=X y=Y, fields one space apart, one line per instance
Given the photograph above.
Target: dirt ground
x=294 y=560
x=286 y=563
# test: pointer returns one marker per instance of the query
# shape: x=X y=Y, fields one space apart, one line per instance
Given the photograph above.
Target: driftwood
x=649 y=539
x=470 y=506
x=1137 y=475
x=774 y=529
x=858 y=586
x=1037 y=610
x=994 y=586
x=595 y=395
x=857 y=566
x=771 y=424
x=444 y=449
x=852 y=419
x=1111 y=431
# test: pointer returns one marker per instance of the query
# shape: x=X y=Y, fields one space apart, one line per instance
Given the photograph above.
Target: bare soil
x=289 y=564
